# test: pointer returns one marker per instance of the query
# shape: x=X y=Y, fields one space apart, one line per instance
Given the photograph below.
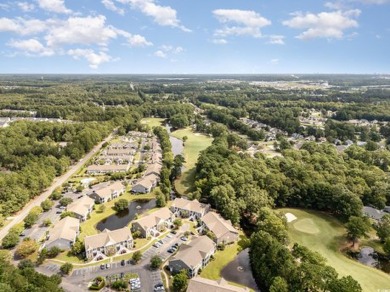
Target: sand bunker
x=290 y=217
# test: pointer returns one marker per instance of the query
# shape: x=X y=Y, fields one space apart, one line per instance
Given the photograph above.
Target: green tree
x=66 y=268
x=160 y=200
x=30 y=220
x=65 y=201
x=10 y=240
x=180 y=281
x=279 y=285
x=77 y=247
x=25 y=264
x=345 y=284
x=46 y=205
x=137 y=256
x=386 y=246
x=121 y=204
x=46 y=222
x=177 y=222
x=67 y=214
x=155 y=262
x=357 y=227
x=119 y=285
x=383 y=228
x=26 y=247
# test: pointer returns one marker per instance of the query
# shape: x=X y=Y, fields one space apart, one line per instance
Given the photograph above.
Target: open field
x=195 y=143
x=152 y=122
x=324 y=234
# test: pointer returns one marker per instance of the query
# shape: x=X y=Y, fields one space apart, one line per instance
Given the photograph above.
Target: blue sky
x=194 y=36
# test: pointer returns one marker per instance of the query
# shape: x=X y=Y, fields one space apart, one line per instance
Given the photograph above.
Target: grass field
x=196 y=142
x=152 y=122
x=324 y=234
x=222 y=257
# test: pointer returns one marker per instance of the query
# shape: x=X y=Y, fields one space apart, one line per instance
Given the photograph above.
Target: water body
x=239 y=271
x=122 y=219
x=369 y=257
x=177 y=144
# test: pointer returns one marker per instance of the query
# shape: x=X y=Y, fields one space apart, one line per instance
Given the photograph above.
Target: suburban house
x=108 y=193
x=193 y=256
x=183 y=207
x=64 y=233
x=223 y=230
x=146 y=184
x=197 y=284
x=107 y=168
x=154 y=223
x=108 y=243
x=154 y=168
x=81 y=207
x=120 y=152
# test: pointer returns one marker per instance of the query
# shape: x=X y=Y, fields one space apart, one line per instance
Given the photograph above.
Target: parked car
x=184 y=238
x=173 y=231
x=159 y=287
x=107 y=266
x=160 y=242
x=102 y=266
x=170 y=250
x=123 y=262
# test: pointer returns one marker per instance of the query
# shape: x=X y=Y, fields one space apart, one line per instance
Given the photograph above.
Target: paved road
x=58 y=181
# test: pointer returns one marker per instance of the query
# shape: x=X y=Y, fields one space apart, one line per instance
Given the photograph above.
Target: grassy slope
x=195 y=143
x=152 y=122
x=327 y=242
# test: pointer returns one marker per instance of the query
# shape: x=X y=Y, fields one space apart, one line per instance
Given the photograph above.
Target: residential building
x=119 y=152
x=186 y=208
x=107 y=168
x=81 y=207
x=108 y=193
x=152 y=224
x=223 y=229
x=64 y=233
x=146 y=184
x=154 y=168
x=193 y=256
x=197 y=284
x=108 y=243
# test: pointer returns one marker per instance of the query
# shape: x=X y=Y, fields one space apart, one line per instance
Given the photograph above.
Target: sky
x=194 y=36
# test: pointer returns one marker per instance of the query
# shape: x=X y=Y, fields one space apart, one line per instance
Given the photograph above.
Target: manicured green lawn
x=324 y=234
x=195 y=143
x=152 y=122
x=88 y=227
x=221 y=258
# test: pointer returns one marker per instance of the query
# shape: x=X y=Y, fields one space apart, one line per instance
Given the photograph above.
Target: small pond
x=369 y=257
x=122 y=219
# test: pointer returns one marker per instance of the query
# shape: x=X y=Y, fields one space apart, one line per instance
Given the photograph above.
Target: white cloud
x=160 y=54
x=162 y=15
x=26 y=7
x=94 y=59
x=166 y=50
x=31 y=47
x=220 y=41
x=378 y=2
x=81 y=30
x=110 y=5
x=243 y=22
x=323 y=25
x=274 y=61
x=23 y=26
x=57 y=6
x=276 y=40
